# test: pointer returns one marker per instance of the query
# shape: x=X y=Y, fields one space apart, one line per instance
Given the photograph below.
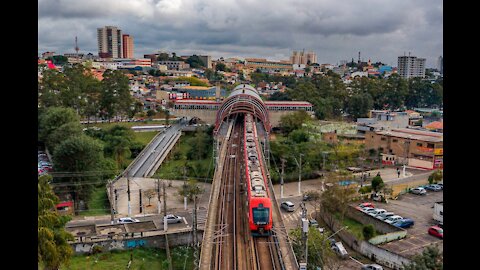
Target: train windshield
x=261 y=215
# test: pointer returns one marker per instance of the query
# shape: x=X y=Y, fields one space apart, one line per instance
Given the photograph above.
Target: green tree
x=53 y=247
x=118 y=141
x=319 y=251
x=195 y=62
x=359 y=105
x=80 y=156
x=57 y=124
x=435 y=177
x=293 y=121
x=336 y=198
x=430 y=259
x=368 y=231
x=163 y=57
x=190 y=189
x=150 y=113
x=220 y=67
x=115 y=96
x=377 y=183
x=50 y=87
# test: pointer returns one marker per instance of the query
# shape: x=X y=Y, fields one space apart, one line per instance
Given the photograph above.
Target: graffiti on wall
x=136 y=243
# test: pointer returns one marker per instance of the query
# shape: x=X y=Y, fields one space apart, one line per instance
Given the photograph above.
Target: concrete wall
x=208 y=116
x=379 y=225
x=376 y=254
x=158 y=241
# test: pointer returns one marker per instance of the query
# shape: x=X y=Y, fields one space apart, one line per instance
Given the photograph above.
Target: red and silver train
x=259 y=203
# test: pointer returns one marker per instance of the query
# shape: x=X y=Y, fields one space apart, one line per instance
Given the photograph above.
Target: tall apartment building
x=207 y=60
x=302 y=58
x=440 y=64
x=127 y=46
x=109 y=42
x=411 y=66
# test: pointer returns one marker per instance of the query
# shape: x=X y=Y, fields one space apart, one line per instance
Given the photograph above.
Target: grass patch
x=98 y=204
x=143 y=258
x=172 y=167
x=126 y=124
x=145 y=137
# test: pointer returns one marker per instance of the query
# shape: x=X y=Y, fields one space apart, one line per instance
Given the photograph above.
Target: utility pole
x=158 y=195
x=281 y=178
x=112 y=214
x=140 y=194
x=305 y=227
x=128 y=193
x=299 y=174
x=185 y=187
x=165 y=227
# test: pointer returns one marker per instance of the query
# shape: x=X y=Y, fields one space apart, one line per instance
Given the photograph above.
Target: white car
x=377 y=211
x=393 y=218
x=385 y=215
x=173 y=219
x=419 y=191
x=368 y=210
x=288 y=206
x=127 y=220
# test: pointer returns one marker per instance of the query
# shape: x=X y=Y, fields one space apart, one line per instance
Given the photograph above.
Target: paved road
x=156 y=148
x=157 y=219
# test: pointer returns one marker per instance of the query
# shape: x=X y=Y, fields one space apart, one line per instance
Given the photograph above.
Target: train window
x=260 y=214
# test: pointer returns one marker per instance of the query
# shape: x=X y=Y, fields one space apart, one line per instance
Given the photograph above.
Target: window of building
x=383 y=139
x=395 y=140
x=430 y=145
x=419 y=144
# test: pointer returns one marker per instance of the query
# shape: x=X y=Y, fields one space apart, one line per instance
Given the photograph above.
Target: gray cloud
x=336 y=30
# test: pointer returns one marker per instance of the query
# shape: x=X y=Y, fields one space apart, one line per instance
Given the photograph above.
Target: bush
x=368 y=231
x=377 y=183
x=365 y=189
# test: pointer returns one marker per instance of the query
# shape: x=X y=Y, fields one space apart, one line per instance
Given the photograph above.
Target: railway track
x=235 y=248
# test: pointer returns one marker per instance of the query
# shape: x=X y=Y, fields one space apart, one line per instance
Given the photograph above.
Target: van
x=288 y=206
x=338 y=248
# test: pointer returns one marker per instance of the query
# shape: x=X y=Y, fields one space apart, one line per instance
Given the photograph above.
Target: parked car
x=306 y=197
x=363 y=205
x=419 y=191
x=127 y=220
x=385 y=215
x=440 y=184
x=393 y=219
x=433 y=187
x=371 y=267
x=368 y=210
x=288 y=206
x=436 y=231
x=313 y=223
x=377 y=211
x=338 y=248
x=173 y=219
x=404 y=223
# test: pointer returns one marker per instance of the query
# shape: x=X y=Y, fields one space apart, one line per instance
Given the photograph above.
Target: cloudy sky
x=335 y=29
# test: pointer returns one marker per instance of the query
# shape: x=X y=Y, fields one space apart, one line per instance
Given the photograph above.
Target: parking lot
x=420 y=209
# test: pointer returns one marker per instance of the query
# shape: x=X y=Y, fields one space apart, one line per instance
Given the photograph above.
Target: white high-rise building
x=411 y=66
x=110 y=42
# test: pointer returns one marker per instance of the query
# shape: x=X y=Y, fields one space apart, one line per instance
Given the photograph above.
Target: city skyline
x=334 y=31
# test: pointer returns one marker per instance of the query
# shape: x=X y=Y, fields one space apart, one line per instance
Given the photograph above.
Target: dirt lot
x=420 y=209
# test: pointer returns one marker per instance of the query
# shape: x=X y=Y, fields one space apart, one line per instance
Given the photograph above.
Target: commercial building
x=109 y=42
x=127 y=46
x=411 y=66
x=263 y=64
x=174 y=65
x=302 y=58
x=415 y=148
x=440 y=64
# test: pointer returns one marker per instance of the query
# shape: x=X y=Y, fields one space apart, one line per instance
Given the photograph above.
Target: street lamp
x=299 y=164
x=346 y=227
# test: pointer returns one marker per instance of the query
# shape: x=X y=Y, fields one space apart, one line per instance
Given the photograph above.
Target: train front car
x=260 y=206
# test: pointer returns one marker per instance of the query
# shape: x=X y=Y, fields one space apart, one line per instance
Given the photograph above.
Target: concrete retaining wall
x=379 y=225
x=376 y=254
x=158 y=241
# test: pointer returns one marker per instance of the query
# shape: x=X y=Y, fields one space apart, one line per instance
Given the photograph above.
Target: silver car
x=419 y=191
x=385 y=215
x=288 y=206
x=173 y=218
x=393 y=219
x=371 y=267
